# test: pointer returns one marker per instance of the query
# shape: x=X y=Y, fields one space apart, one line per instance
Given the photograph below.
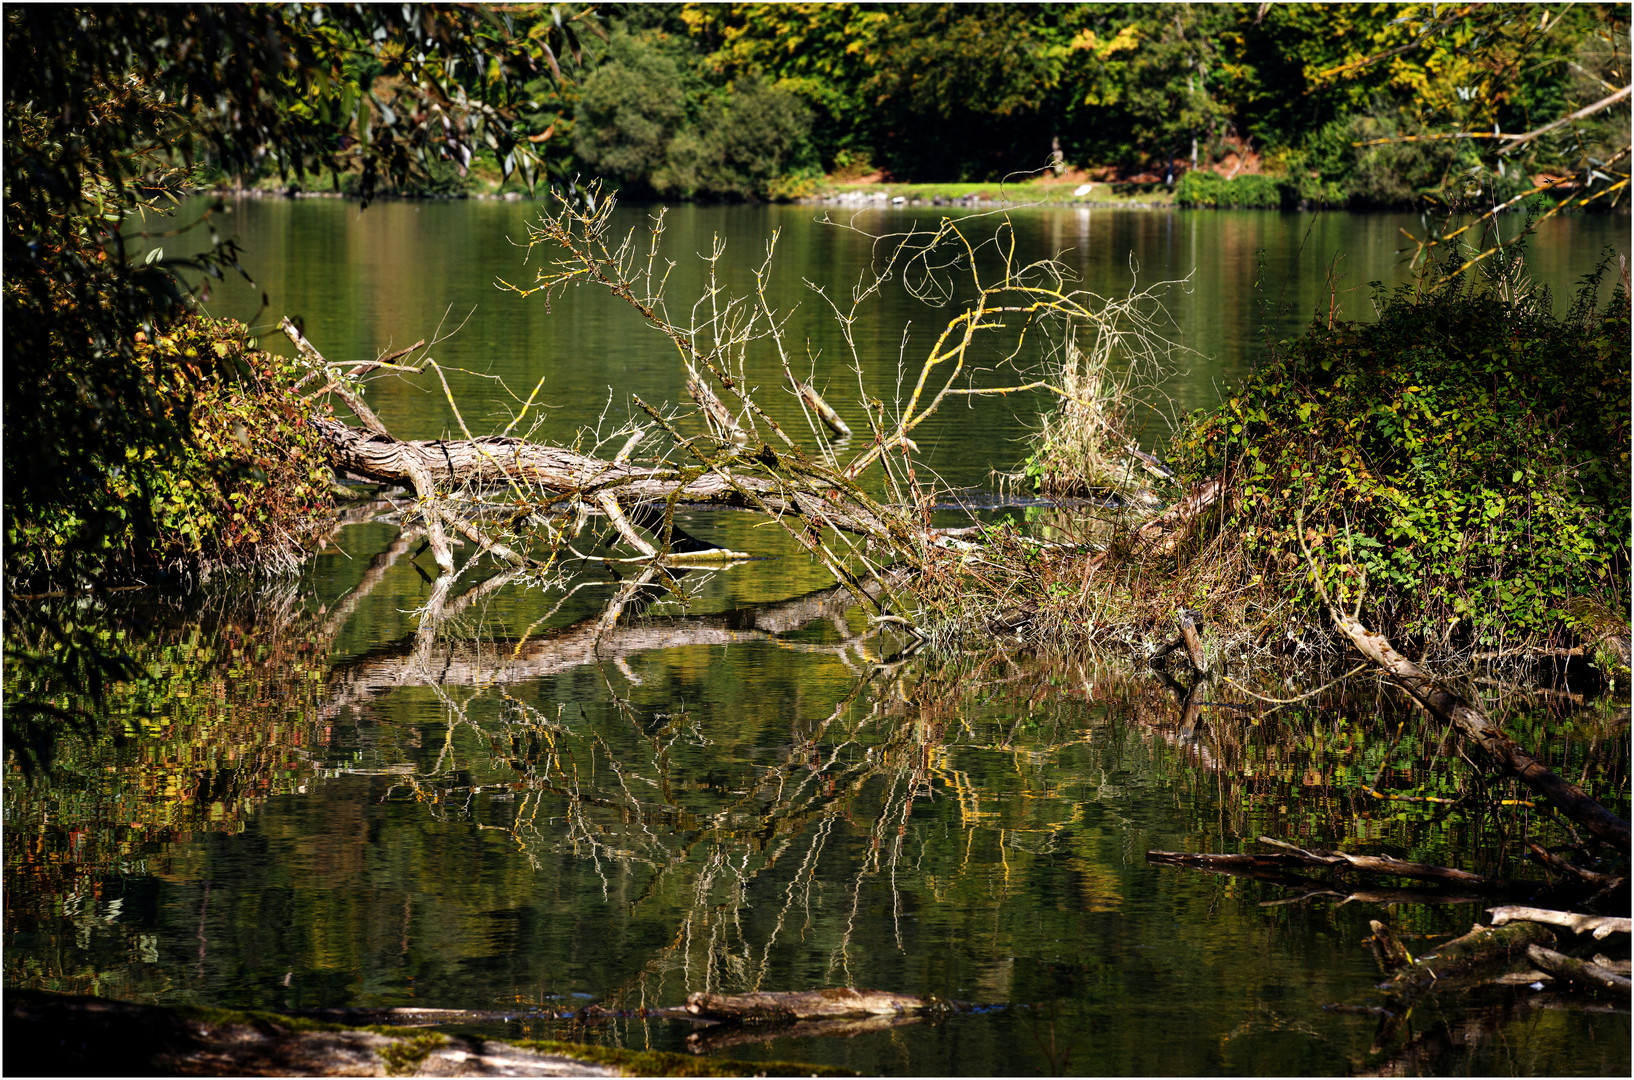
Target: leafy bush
x=247 y=486
x=1200 y=187
x=648 y=123
x=1466 y=457
x=629 y=109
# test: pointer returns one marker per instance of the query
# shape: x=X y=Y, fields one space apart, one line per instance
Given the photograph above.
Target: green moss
x=219 y=1018
x=405 y=1053
x=661 y=1063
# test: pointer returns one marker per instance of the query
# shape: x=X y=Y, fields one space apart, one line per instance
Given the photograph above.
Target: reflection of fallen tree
x=62 y=1035
x=424 y=659
x=1381 y=865
x=720 y=1037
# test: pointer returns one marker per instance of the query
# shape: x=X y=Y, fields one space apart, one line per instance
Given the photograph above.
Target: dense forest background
x=761 y=100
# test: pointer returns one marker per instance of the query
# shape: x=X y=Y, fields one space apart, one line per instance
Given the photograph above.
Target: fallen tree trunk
x=1479 y=946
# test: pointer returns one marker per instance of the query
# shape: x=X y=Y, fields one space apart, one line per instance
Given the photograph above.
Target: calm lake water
x=324 y=808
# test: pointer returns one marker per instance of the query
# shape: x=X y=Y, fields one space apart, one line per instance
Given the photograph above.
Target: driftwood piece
x=825 y=412
x=1190 y=639
x=1473 y=724
x=1599 y=925
x=1578 y=972
x=720 y=418
x=1162 y=534
x=1479 y=946
x=842 y=1003
x=1616 y=967
x=1368 y=864
x=1561 y=866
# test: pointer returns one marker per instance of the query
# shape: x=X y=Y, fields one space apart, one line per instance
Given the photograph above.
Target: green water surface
x=748 y=793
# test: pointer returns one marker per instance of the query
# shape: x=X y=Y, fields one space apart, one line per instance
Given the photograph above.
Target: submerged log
x=1293 y=856
x=1578 y=972
x=1481 y=945
x=841 y=1003
x=59 y=1035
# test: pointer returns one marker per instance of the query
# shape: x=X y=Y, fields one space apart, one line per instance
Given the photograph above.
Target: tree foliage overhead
x=946 y=91
x=121 y=105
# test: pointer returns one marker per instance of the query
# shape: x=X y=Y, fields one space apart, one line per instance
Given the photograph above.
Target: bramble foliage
x=120 y=106
x=255 y=477
x=112 y=112
x=1461 y=467
x=243 y=490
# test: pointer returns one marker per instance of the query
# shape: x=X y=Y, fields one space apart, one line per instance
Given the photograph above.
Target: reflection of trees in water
x=910 y=803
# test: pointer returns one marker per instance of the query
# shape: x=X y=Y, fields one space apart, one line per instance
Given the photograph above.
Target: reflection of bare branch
x=487 y=662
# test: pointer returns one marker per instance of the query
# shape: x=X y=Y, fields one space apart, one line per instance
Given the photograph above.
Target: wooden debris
x=1149 y=462
x=1162 y=534
x=1480 y=945
x=1616 y=967
x=1561 y=866
x=1578 y=972
x=720 y=418
x=1599 y=925
x=1367 y=864
x=837 y=1004
x=1393 y=954
x=1190 y=639
x=825 y=412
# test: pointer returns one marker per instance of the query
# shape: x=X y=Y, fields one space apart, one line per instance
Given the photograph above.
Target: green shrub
x=1466 y=456
x=1203 y=188
x=630 y=107
x=245 y=488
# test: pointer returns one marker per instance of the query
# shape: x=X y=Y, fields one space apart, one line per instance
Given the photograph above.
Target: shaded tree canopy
x=113 y=111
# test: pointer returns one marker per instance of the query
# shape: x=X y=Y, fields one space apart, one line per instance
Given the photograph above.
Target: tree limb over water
x=855 y=516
